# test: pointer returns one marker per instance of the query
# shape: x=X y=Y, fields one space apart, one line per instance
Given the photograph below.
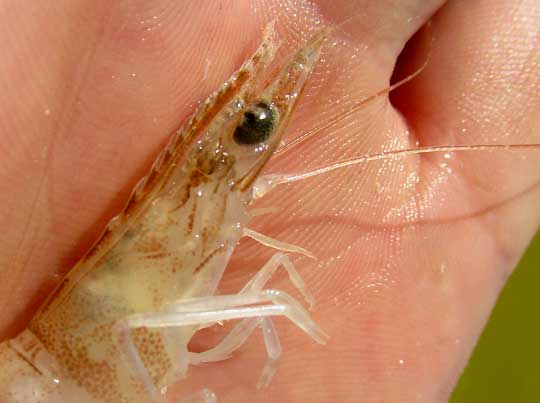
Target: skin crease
x=411 y=253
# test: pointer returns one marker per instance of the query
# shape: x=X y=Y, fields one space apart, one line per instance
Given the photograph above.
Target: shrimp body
x=170 y=245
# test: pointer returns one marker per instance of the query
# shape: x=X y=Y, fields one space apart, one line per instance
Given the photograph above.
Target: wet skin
x=411 y=253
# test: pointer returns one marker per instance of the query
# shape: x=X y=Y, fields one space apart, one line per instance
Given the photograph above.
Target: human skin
x=411 y=253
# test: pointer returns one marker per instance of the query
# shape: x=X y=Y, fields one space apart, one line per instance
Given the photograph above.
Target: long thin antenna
x=280 y=179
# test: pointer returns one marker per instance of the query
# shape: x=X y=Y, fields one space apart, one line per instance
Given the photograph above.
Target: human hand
x=411 y=252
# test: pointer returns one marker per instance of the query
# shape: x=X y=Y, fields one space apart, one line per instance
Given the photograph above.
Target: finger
x=372 y=24
x=483 y=70
x=481 y=87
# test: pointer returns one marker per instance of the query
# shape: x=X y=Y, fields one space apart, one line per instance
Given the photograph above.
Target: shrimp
x=117 y=327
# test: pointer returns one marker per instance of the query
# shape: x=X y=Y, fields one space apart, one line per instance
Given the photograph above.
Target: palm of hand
x=411 y=252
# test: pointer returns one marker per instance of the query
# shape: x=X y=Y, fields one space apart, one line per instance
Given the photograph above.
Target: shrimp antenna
x=274 y=180
x=317 y=129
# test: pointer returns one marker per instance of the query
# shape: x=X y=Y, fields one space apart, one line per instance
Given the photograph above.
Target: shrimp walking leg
x=209 y=310
x=242 y=330
x=275 y=244
x=267 y=271
x=237 y=336
x=132 y=356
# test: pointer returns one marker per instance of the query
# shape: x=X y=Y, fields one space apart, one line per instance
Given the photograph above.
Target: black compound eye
x=256 y=126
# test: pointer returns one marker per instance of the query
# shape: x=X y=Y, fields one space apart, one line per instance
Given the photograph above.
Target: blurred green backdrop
x=505 y=366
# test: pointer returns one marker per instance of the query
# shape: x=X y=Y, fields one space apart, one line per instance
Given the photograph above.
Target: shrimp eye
x=256 y=126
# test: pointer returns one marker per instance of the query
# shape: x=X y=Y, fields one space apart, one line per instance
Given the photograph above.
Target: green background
x=505 y=366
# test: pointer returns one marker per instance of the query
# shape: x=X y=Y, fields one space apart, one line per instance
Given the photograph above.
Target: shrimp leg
x=242 y=330
x=209 y=310
x=237 y=337
x=267 y=271
x=212 y=309
x=275 y=244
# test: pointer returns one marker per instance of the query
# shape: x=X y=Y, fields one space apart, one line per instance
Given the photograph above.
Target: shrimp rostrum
x=116 y=329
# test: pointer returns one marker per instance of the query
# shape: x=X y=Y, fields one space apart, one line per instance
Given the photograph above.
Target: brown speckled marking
x=152 y=350
x=97 y=377
x=220 y=248
x=149 y=245
x=23 y=358
x=156 y=255
x=19 y=368
x=186 y=190
x=191 y=217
